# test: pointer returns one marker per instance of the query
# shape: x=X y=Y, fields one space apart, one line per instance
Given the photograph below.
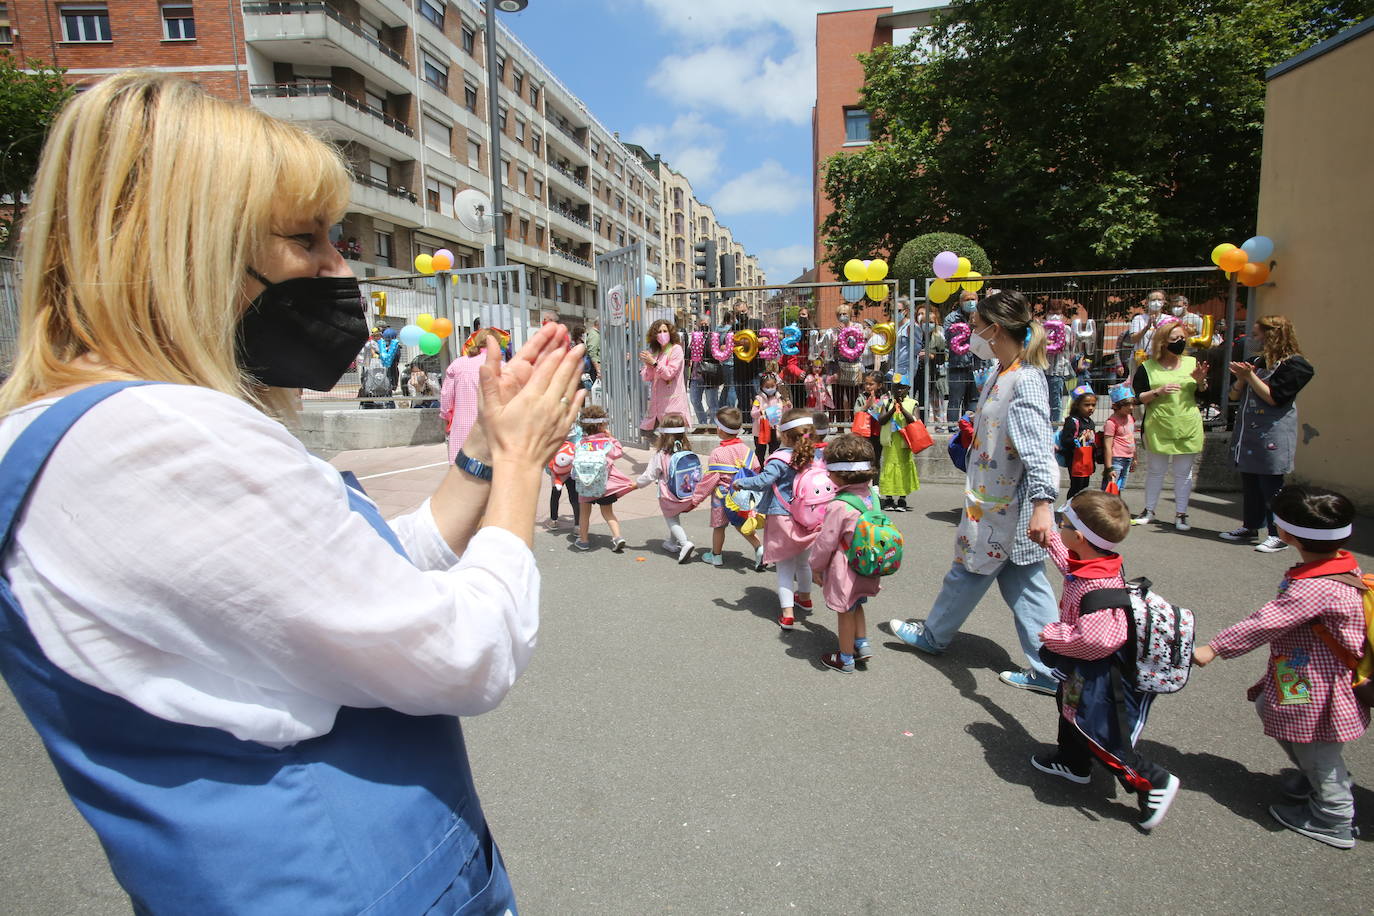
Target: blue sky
x=723 y=89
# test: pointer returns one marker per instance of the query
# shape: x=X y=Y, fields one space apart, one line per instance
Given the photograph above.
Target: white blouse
x=186 y=553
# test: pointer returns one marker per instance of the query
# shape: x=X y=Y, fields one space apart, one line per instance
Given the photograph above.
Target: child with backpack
x=767 y=414
x=726 y=461
x=897 y=475
x=559 y=469
x=599 y=481
x=1077 y=439
x=1101 y=712
x=855 y=548
x=1318 y=628
x=793 y=502
x=677 y=471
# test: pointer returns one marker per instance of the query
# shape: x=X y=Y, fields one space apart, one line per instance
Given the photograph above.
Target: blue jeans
x=1123 y=471
x=707 y=413
x=1025 y=588
x=727 y=388
x=1056 y=398
x=962 y=394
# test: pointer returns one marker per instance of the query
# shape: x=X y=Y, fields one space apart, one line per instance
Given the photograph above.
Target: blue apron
x=378 y=816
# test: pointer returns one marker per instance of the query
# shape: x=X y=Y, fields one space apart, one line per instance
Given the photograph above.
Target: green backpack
x=876 y=547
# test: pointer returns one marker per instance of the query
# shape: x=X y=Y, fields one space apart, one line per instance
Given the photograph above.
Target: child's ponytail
x=803 y=448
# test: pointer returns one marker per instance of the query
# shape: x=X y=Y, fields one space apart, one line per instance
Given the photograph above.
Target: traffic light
x=727 y=271
x=706 y=263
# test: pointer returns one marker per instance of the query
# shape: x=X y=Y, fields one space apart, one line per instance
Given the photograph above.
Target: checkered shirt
x=1096 y=636
x=1028 y=425
x=1286 y=625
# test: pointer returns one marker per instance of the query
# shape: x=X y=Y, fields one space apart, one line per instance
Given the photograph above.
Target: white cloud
x=770 y=188
x=705 y=20
x=748 y=80
x=784 y=264
x=690 y=144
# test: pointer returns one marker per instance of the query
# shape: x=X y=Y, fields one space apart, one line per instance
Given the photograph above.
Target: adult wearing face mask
x=705 y=378
x=746 y=371
x=1178 y=308
x=963 y=394
x=1008 y=497
x=725 y=330
x=665 y=370
x=272 y=731
x=1060 y=370
x=1140 y=334
x=1167 y=384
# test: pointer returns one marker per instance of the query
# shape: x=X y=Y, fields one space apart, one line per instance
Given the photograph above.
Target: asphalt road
x=670 y=750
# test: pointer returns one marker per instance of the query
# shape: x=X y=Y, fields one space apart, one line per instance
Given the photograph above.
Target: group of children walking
x=824 y=525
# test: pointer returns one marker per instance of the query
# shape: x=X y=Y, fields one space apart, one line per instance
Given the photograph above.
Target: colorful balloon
x=424 y=320
x=791 y=337
x=770 y=343
x=852 y=293
x=1258 y=248
x=746 y=345
x=965 y=265
x=648 y=286
x=424 y=263
x=722 y=344
x=410 y=335
x=1253 y=274
x=876 y=292
x=850 y=343
x=854 y=270
x=1204 y=337
x=970 y=284
x=945 y=264
x=442 y=260
x=877 y=270
x=441 y=328
x=1056 y=335
x=888 y=332
x=430 y=344
x=940 y=290
x=1220 y=250
x=444 y=252
x=959 y=333
x=1232 y=260
x=697 y=346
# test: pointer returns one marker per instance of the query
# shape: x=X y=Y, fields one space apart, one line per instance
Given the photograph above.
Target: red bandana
x=1343 y=562
x=1107 y=567
x=734 y=441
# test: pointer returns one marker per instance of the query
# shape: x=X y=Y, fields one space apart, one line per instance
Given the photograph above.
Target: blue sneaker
x=714 y=559
x=913 y=633
x=1029 y=680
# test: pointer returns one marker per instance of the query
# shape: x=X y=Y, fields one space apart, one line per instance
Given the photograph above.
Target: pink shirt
x=458 y=400
x=667 y=389
x=1123 y=436
x=843 y=586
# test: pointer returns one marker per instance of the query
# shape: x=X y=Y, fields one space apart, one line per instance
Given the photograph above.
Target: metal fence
x=625 y=318
x=9 y=312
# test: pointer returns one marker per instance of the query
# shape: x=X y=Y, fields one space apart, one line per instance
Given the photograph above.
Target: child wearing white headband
x=1083 y=650
x=1317 y=634
x=786 y=543
x=727 y=459
x=677 y=471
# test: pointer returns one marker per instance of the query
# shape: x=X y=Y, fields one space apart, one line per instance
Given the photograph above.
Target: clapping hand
x=646 y=357
x=1242 y=371
x=1200 y=373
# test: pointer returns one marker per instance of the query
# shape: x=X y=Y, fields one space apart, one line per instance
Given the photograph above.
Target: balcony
x=569 y=256
x=559 y=173
x=569 y=214
x=338 y=115
x=318 y=34
x=389 y=202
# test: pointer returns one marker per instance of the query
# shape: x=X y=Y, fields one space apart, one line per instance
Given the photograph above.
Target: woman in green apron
x=1167 y=384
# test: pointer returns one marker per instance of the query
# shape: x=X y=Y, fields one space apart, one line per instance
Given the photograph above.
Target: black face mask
x=303 y=332
x=1176 y=346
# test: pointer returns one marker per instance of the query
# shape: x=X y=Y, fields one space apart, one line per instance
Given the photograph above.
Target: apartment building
x=686 y=220
x=401 y=88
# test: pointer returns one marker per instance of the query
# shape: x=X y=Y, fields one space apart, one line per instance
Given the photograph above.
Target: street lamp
x=498 y=249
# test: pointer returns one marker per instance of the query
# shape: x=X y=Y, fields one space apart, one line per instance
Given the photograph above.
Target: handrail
x=363 y=178
x=571 y=257
x=294 y=90
x=314 y=6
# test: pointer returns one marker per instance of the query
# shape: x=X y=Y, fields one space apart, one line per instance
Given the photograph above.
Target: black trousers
x=1077 y=753
x=1258 y=493
x=1077 y=485
x=555 y=497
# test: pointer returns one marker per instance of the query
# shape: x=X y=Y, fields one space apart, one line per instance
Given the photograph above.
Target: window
x=85 y=23
x=539 y=238
x=384 y=247
x=522 y=181
x=435 y=71
x=374 y=100
x=500 y=69
x=505 y=172
x=6 y=37
x=855 y=125
x=439 y=196
x=469 y=39
x=517 y=82
x=677 y=199
x=679 y=248
x=535 y=142
x=534 y=96
x=596 y=224
x=677 y=224
x=433 y=10
x=438 y=135
x=520 y=131
x=620 y=238
x=503 y=116
x=178 y=23
x=539 y=189
x=380 y=171
x=474 y=155
x=470 y=97
x=524 y=230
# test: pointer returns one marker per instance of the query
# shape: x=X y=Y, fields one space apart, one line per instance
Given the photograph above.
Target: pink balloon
x=1056 y=335
x=945 y=264
x=770 y=343
x=722 y=346
x=850 y=343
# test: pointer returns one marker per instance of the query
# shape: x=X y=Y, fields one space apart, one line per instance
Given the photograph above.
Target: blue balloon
x=791 y=336
x=1258 y=249
x=852 y=293
x=389 y=334
x=648 y=285
x=410 y=335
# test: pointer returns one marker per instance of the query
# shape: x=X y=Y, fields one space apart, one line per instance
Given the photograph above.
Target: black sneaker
x=1155 y=803
x=1299 y=819
x=1056 y=767
x=886 y=504
x=902 y=506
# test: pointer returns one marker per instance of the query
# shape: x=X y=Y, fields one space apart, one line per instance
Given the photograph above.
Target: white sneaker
x=684 y=552
x=1181 y=522
x=1144 y=518
x=1271 y=544
x=758 y=559
x=671 y=547
x=1239 y=534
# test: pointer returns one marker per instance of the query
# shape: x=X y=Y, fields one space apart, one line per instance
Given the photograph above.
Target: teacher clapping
x=247 y=679
x=1167 y=384
x=664 y=366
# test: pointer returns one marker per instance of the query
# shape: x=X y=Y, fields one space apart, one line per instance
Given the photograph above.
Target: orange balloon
x=1234 y=259
x=441 y=328
x=1253 y=274
x=441 y=262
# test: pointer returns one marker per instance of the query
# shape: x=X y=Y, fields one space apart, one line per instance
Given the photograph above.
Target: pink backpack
x=812 y=491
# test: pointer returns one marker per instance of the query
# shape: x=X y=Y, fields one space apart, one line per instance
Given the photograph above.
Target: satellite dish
x=473 y=209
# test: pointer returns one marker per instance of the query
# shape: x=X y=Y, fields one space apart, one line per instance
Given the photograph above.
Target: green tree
x=30 y=97
x=914 y=261
x=1072 y=133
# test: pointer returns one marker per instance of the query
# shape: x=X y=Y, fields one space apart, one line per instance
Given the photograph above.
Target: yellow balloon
x=971 y=284
x=965 y=265
x=888 y=332
x=746 y=345
x=876 y=292
x=424 y=321
x=424 y=263
x=877 y=270
x=1220 y=250
x=854 y=270
x=940 y=290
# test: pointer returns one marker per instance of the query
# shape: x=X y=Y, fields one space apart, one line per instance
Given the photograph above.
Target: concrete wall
x=1316 y=203
x=345 y=430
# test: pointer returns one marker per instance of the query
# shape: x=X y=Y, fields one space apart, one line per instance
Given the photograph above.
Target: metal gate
x=625 y=318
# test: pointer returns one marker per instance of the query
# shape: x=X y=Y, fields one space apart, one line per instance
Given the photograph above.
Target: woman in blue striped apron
x=248 y=681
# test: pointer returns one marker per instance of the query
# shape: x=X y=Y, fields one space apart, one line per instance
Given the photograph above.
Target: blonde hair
x=1280 y=340
x=1163 y=330
x=1009 y=309
x=479 y=342
x=151 y=200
